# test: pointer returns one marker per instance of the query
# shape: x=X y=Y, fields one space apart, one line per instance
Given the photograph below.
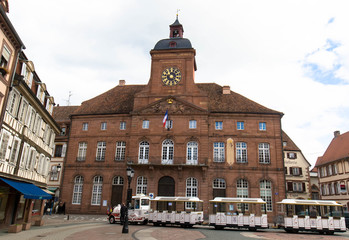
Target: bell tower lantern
x=176 y=29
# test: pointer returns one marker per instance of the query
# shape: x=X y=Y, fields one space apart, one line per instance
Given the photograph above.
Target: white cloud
x=256 y=47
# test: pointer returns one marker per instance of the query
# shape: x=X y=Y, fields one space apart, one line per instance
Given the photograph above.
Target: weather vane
x=177 y=13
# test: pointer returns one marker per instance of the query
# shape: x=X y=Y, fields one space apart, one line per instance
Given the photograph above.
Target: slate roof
x=182 y=43
x=119 y=100
x=290 y=145
x=62 y=114
x=338 y=149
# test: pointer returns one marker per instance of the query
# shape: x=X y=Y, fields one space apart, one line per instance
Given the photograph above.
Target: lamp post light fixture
x=130 y=173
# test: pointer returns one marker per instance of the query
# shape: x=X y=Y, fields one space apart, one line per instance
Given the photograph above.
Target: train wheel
x=111 y=219
x=329 y=232
x=145 y=222
x=252 y=229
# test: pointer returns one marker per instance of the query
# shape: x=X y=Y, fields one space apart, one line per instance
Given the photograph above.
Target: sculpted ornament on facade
x=173 y=107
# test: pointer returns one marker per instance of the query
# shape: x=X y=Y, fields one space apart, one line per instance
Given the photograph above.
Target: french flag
x=165 y=118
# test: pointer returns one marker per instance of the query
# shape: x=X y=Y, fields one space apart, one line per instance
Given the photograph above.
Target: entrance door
x=117 y=189
x=166 y=187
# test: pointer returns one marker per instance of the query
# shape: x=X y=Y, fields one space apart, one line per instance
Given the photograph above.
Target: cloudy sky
x=291 y=56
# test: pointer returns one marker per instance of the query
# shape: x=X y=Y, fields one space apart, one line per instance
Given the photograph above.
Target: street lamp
x=130 y=173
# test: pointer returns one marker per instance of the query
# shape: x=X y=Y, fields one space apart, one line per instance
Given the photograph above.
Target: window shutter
x=288 y=155
x=300 y=171
x=285 y=170
x=303 y=187
x=64 y=149
x=24 y=69
x=295 y=155
x=8 y=150
x=291 y=171
x=290 y=186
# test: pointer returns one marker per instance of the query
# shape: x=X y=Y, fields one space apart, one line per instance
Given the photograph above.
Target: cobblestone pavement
x=95 y=227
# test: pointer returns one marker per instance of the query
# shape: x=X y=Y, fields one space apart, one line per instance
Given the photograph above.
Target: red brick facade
x=186 y=101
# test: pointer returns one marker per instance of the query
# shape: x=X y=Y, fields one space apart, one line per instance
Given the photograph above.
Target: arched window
x=242 y=191
x=97 y=190
x=142 y=185
x=219 y=186
x=143 y=152
x=266 y=194
x=191 y=190
x=167 y=152
x=77 y=190
x=192 y=153
x=219 y=183
x=118 y=180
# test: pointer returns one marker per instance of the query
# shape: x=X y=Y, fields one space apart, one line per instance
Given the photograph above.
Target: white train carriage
x=238 y=213
x=312 y=215
x=137 y=213
x=184 y=211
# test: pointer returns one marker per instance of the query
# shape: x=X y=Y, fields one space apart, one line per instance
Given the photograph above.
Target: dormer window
x=173 y=44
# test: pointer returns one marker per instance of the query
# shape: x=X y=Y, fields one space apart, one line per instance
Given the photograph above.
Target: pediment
x=173 y=105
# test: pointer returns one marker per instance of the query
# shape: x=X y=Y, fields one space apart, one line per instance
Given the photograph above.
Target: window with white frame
x=266 y=194
x=240 y=125
x=218 y=152
x=27 y=75
x=31 y=119
x=335 y=171
x=219 y=125
x=13 y=102
x=242 y=191
x=77 y=190
x=296 y=171
x=241 y=152
x=97 y=190
x=192 y=124
x=167 y=152
x=5 y=57
x=118 y=180
x=145 y=124
x=14 y=151
x=219 y=183
x=142 y=184
x=63 y=131
x=41 y=164
x=122 y=125
x=191 y=191
x=329 y=170
x=332 y=189
x=297 y=187
x=101 y=147
x=120 y=151
x=264 y=153
x=291 y=155
x=103 y=126
x=5 y=137
x=30 y=159
x=24 y=155
x=37 y=126
x=82 y=151
x=84 y=126
x=192 y=153
x=262 y=126
x=143 y=152
x=23 y=111
x=54 y=173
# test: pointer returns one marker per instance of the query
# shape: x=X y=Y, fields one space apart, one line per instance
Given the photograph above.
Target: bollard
x=68 y=217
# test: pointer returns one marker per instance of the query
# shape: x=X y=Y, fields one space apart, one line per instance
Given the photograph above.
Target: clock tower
x=173 y=69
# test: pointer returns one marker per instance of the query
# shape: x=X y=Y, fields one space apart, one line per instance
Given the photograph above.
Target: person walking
x=122 y=213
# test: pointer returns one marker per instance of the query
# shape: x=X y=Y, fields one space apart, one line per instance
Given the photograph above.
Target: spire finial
x=177 y=14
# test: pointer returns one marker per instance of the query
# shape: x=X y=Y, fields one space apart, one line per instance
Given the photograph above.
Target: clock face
x=171 y=76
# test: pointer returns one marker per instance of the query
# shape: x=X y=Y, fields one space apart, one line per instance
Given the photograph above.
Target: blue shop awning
x=29 y=190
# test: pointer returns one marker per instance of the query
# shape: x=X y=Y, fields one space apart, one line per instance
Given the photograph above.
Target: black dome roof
x=173 y=43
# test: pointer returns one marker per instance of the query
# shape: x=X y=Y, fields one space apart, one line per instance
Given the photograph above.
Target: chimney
x=122 y=82
x=337 y=133
x=226 y=89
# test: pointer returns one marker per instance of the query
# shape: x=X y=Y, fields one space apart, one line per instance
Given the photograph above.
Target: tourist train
x=294 y=214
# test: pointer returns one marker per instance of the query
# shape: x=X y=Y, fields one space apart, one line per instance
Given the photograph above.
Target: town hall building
x=212 y=142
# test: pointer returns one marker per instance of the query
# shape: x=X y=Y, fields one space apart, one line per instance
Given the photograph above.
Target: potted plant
x=15 y=228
